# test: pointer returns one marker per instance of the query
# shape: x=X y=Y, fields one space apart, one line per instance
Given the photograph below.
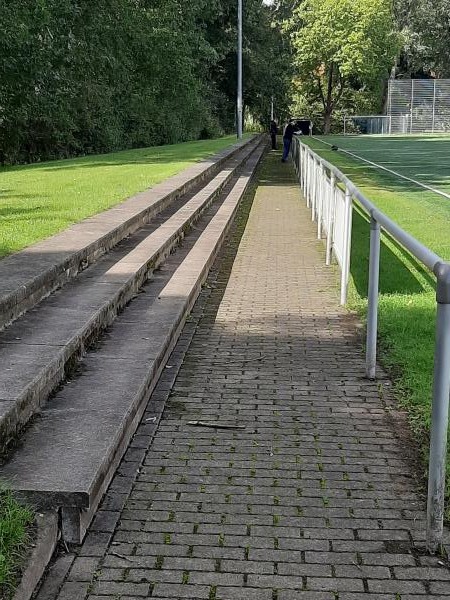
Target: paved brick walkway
x=313 y=499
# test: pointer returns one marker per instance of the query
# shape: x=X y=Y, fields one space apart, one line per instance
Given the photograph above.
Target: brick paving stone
x=312 y=499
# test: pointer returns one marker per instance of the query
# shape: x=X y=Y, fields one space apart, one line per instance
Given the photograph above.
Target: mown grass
x=39 y=200
x=15 y=521
x=407 y=305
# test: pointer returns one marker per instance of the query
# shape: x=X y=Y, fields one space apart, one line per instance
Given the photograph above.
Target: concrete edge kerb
x=142 y=206
x=47 y=538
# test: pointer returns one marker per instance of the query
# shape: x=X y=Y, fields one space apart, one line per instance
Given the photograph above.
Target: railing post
x=308 y=178
x=314 y=190
x=347 y=246
x=331 y=215
x=320 y=173
x=439 y=413
x=302 y=168
x=372 y=311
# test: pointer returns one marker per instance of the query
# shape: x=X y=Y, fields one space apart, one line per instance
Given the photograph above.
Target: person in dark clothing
x=273 y=133
x=287 y=139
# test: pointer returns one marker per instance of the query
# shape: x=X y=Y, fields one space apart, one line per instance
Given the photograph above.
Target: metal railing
x=330 y=195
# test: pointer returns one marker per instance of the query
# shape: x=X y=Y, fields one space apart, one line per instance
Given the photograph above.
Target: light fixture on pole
x=239 y=72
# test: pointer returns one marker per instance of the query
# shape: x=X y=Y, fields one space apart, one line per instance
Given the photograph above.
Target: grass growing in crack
x=212 y=593
x=407 y=307
x=15 y=521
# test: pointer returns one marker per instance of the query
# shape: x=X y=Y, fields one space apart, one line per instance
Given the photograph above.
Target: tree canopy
x=78 y=76
x=342 y=48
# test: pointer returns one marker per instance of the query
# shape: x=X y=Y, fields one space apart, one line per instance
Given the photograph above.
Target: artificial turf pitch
x=424 y=158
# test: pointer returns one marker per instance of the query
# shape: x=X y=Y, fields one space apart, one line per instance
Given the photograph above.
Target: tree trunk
x=329 y=102
x=327 y=120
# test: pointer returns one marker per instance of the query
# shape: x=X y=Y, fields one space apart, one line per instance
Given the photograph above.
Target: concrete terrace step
x=38 y=349
x=69 y=454
x=30 y=275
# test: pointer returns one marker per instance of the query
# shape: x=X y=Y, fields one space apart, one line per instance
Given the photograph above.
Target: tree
x=426 y=29
x=342 y=47
x=79 y=76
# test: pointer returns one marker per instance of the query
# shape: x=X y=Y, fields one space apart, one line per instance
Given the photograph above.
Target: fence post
x=331 y=215
x=439 y=413
x=434 y=105
x=320 y=173
x=302 y=168
x=315 y=189
x=372 y=311
x=308 y=178
x=347 y=246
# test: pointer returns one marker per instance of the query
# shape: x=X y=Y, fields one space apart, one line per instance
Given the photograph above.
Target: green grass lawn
x=15 y=521
x=407 y=306
x=37 y=201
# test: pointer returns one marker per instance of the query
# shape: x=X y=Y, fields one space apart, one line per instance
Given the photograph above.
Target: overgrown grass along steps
x=31 y=274
x=40 y=348
x=68 y=456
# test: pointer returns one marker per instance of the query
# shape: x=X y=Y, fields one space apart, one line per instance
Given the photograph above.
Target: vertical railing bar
x=439 y=412
x=320 y=201
x=308 y=177
x=347 y=246
x=314 y=190
x=372 y=309
x=330 y=219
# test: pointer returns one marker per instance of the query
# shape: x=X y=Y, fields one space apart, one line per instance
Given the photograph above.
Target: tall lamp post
x=239 y=71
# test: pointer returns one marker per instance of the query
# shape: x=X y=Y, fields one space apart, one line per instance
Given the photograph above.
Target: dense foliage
x=344 y=50
x=425 y=25
x=79 y=77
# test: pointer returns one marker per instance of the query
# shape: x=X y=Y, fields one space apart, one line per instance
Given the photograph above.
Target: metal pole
x=321 y=176
x=372 y=311
x=347 y=246
x=239 y=69
x=314 y=189
x=439 y=414
x=300 y=149
x=308 y=178
x=412 y=105
x=434 y=105
x=331 y=201
x=271 y=110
